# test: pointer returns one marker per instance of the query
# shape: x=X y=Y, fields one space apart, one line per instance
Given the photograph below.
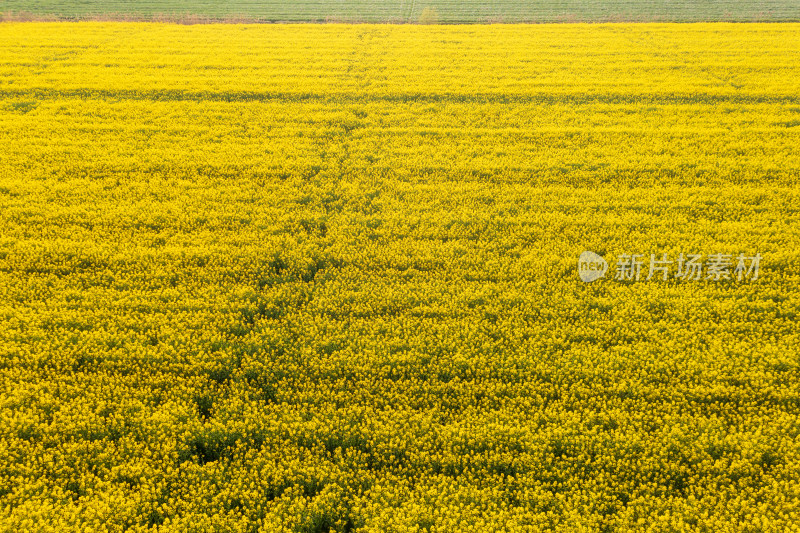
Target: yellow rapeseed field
x=324 y=278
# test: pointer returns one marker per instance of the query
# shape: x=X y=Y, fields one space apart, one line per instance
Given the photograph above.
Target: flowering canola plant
x=323 y=278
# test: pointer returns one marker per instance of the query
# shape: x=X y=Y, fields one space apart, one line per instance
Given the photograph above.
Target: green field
x=402 y=11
